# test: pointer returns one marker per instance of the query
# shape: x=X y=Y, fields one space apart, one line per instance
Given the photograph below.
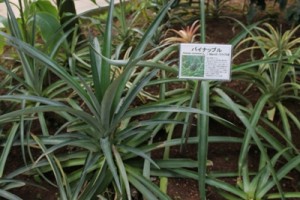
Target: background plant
x=27 y=76
x=265 y=72
x=260 y=5
x=279 y=77
x=217 y=6
x=254 y=187
x=292 y=13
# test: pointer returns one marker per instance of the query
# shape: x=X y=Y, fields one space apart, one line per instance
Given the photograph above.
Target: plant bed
x=104 y=115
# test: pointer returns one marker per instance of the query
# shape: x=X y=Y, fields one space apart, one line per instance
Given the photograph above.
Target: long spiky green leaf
x=59 y=176
x=138 y=51
x=7 y=147
x=249 y=124
x=106 y=147
x=105 y=66
x=51 y=65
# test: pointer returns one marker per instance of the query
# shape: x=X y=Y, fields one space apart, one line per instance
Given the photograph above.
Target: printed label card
x=205 y=61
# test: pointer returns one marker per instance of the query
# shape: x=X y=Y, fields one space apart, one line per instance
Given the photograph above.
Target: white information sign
x=205 y=61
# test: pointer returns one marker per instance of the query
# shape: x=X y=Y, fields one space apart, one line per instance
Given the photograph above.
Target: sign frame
x=205 y=61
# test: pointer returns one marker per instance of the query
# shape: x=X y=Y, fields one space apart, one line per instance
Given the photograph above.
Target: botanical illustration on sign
x=192 y=65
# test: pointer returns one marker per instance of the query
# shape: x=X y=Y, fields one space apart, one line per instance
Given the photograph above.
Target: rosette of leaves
x=271 y=42
x=38 y=20
x=186 y=35
x=278 y=76
x=258 y=183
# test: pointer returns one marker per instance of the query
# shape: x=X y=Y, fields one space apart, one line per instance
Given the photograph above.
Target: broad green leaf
x=49 y=27
x=44 y=6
